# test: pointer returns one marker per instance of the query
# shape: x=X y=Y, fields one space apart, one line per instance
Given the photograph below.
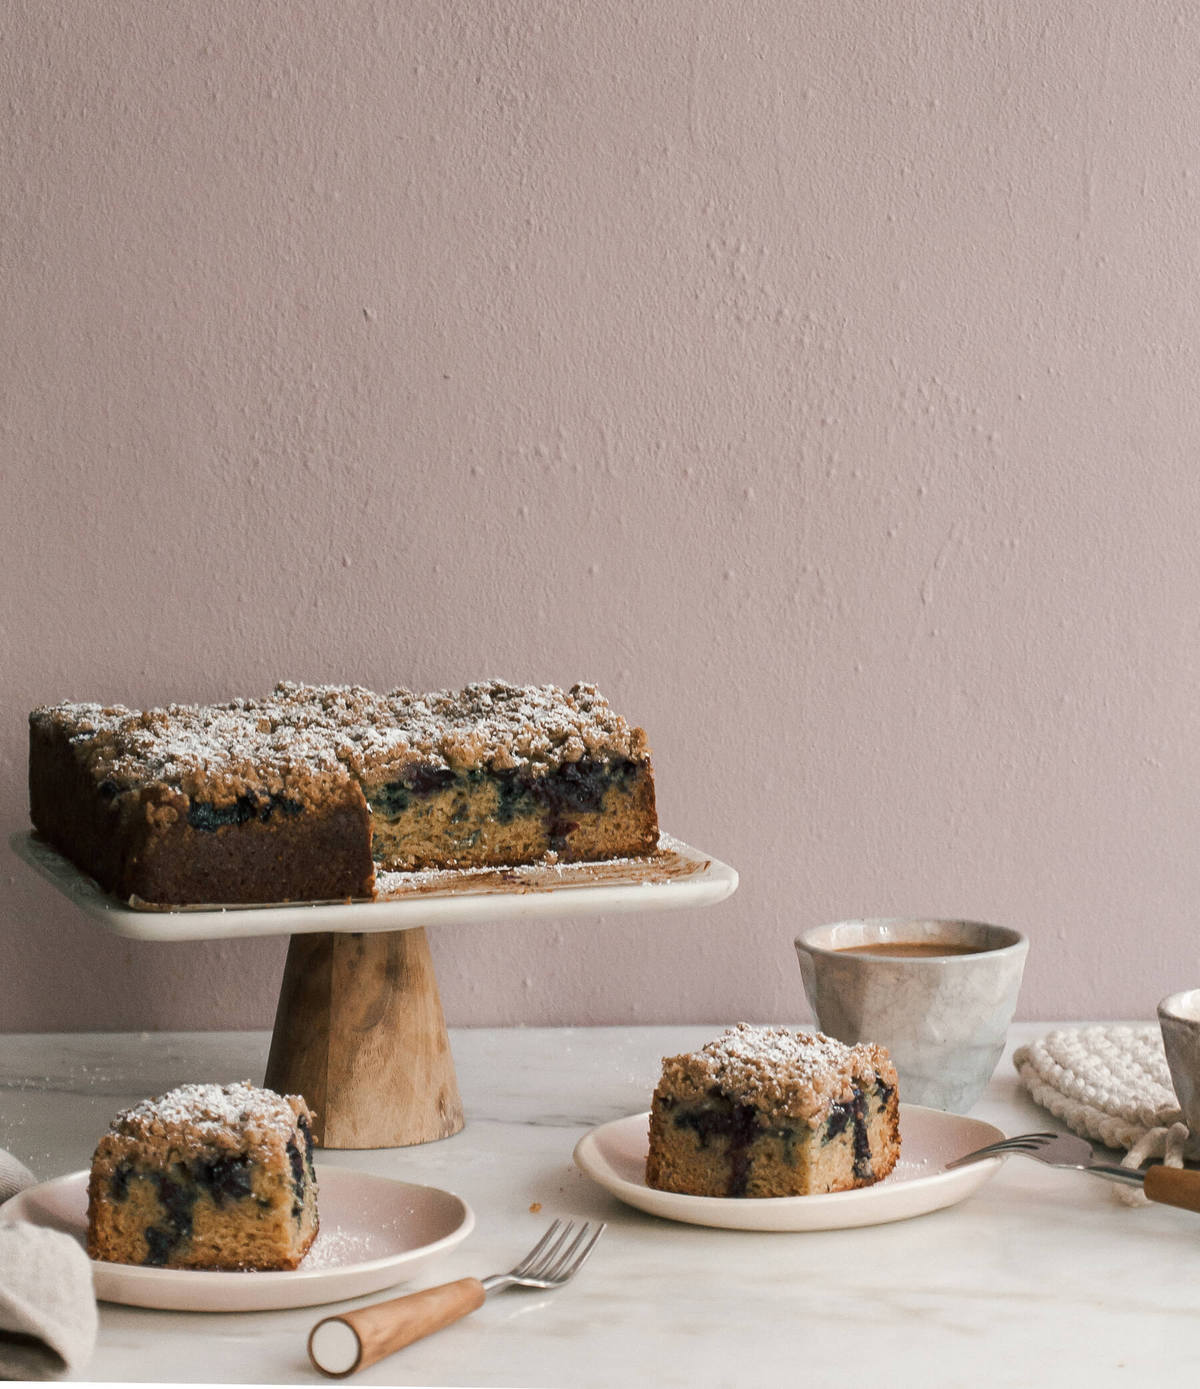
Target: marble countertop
x=1039 y=1277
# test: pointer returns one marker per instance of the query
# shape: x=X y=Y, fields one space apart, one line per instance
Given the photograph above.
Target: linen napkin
x=48 y=1316
x=14 y=1176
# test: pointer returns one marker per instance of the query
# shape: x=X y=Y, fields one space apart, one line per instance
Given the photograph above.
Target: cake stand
x=359 y=1029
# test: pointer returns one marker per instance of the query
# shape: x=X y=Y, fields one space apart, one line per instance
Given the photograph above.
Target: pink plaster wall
x=820 y=380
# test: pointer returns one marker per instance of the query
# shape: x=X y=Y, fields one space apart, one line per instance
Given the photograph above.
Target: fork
x=1171 y=1186
x=351 y=1341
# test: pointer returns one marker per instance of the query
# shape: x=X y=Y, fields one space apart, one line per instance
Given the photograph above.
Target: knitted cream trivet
x=1112 y=1085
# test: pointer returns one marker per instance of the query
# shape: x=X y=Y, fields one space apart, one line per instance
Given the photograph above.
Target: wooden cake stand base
x=359 y=1032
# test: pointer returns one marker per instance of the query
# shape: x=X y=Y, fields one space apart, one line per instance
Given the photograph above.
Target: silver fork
x=1171 y=1186
x=351 y=1341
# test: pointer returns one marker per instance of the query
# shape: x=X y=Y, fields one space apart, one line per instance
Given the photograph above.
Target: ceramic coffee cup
x=938 y=994
x=1179 y=1021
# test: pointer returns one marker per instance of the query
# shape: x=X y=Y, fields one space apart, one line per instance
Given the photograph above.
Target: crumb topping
x=795 y=1074
x=195 y=1119
x=491 y=724
x=302 y=739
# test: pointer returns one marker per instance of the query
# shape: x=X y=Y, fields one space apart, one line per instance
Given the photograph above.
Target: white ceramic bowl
x=944 y=1017
x=1179 y=1021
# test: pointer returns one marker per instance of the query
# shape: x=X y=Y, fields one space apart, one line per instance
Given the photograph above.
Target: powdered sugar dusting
x=802 y=1053
x=211 y=1109
x=340 y=1248
x=395 y=883
x=799 y=1073
x=333 y=732
x=493 y=724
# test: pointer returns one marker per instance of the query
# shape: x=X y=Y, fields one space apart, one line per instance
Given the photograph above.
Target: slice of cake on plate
x=768 y=1112
x=206 y=1176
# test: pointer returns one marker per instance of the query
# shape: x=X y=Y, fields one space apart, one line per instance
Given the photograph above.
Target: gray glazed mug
x=1179 y=1022
x=942 y=1013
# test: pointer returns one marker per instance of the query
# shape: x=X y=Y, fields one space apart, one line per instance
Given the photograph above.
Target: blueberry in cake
x=301 y=795
x=768 y=1112
x=207 y=1176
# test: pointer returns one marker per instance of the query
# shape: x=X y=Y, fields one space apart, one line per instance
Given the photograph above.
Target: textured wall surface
x=819 y=380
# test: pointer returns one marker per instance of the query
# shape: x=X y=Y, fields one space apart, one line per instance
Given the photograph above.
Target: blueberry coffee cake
x=768 y=1112
x=207 y=1176
x=301 y=795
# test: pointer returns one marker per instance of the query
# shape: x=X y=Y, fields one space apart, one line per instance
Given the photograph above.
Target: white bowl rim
x=1183 y=1006
x=1014 y=941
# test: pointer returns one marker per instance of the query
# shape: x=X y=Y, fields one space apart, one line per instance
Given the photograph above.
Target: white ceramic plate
x=676 y=876
x=615 y=1156
x=375 y=1232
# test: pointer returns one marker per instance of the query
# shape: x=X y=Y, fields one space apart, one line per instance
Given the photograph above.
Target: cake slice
x=768 y=1112
x=206 y=1176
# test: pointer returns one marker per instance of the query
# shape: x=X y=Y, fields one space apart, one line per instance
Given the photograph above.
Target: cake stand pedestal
x=359 y=1030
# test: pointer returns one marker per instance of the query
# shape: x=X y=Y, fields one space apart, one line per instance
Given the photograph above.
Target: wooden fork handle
x=388 y=1326
x=1174 y=1186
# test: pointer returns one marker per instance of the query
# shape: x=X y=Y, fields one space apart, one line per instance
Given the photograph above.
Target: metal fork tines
x=1055 y=1150
x=554 y=1259
x=1018 y=1143
x=351 y=1341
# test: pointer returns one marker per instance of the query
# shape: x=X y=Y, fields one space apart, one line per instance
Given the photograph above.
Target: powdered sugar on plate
x=671 y=861
x=339 y=1248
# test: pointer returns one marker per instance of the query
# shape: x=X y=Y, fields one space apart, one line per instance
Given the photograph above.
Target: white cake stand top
x=677 y=876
